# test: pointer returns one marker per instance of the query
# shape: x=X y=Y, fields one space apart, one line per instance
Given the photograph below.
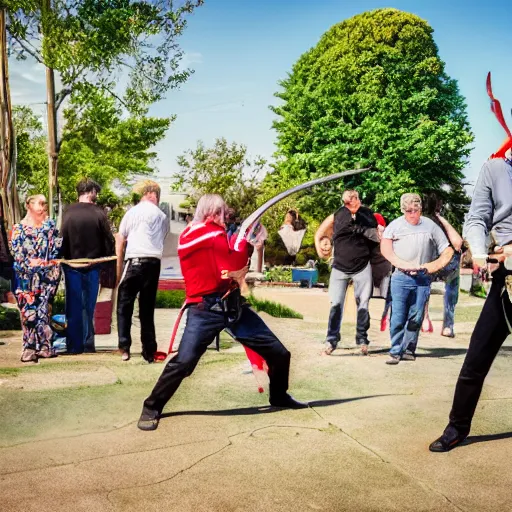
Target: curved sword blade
x=253 y=217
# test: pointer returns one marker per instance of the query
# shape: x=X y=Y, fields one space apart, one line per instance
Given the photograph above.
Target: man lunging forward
x=215 y=304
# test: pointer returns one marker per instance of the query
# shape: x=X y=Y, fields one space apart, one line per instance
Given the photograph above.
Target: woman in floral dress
x=35 y=244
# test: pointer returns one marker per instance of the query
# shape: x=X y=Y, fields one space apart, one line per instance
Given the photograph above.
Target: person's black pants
x=202 y=327
x=490 y=332
x=140 y=276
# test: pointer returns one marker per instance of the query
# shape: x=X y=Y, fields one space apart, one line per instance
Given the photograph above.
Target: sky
x=240 y=49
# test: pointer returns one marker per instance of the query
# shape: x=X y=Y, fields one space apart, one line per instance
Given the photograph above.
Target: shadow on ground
x=247 y=411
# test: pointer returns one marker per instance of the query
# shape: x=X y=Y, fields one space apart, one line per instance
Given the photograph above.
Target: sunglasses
x=412 y=211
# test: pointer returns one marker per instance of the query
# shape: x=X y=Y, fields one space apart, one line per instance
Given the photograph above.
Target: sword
x=253 y=217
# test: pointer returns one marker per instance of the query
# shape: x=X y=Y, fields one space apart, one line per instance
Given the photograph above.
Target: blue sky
x=241 y=48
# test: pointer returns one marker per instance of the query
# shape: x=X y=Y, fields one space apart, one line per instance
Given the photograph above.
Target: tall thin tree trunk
x=9 y=202
x=52 y=140
x=53 y=155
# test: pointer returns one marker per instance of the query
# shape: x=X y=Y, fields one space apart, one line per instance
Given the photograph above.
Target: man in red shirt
x=215 y=304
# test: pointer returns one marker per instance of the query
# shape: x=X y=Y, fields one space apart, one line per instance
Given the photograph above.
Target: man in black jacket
x=355 y=238
x=86 y=233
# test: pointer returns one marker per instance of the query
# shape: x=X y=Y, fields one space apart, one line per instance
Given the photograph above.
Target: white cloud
x=191 y=58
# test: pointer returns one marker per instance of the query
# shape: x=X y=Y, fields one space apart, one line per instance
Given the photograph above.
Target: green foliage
x=222 y=169
x=170 y=299
x=273 y=308
x=59 y=304
x=98 y=142
x=32 y=160
x=94 y=43
x=373 y=92
x=9 y=319
x=279 y=274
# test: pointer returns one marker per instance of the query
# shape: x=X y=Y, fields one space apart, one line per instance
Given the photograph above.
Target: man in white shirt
x=139 y=249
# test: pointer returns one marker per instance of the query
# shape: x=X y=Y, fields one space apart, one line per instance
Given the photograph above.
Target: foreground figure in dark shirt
x=355 y=240
x=86 y=234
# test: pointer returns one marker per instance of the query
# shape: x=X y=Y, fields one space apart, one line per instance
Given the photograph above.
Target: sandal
x=450 y=333
x=28 y=356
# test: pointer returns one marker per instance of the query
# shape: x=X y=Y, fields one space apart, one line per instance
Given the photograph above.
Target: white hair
x=410 y=199
x=348 y=195
x=208 y=206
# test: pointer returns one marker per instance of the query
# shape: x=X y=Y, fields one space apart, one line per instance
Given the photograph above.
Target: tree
x=98 y=142
x=32 y=161
x=373 y=92
x=222 y=169
x=94 y=45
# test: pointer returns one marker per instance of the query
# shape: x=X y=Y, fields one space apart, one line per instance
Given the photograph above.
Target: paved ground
x=68 y=439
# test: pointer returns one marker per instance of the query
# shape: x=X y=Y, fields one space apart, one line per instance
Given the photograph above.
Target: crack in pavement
x=100 y=457
x=216 y=452
x=399 y=468
x=76 y=436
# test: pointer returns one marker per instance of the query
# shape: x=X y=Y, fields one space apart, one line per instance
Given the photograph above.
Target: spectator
x=140 y=244
x=355 y=239
x=35 y=243
x=417 y=248
x=291 y=233
x=432 y=206
x=86 y=234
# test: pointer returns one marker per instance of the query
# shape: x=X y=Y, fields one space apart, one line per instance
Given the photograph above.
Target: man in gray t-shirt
x=416 y=247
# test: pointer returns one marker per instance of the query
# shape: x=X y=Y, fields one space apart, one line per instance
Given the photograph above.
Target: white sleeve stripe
x=200 y=239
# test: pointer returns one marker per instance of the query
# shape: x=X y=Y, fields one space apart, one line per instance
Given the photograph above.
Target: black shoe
x=288 y=402
x=148 y=422
x=450 y=439
x=149 y=359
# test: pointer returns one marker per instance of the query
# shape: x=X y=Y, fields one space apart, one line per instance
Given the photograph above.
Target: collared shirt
x=144 y=227
x=491 y=208
x=416 y=243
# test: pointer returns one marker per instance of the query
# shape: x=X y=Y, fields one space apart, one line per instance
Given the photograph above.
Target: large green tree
x=373 y=92
x=224 y=169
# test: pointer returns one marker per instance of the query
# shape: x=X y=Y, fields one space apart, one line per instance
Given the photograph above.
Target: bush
x=273 y=308
x=279 y=274
x=170 y=299
x=9 y=319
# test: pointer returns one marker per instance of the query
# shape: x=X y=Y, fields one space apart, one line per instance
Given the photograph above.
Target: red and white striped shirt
x=204 y=252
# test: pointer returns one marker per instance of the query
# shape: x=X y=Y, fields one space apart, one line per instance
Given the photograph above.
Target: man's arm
x=479 y=219
x=454 y=237
x=325 y=229
x=120 y=248
x=386 y=249
x=441 y=262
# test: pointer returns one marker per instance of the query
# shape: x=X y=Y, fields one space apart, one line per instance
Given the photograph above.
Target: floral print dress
x=35 y=287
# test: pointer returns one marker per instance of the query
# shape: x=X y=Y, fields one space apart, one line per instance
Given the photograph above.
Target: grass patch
x=10 y=372
x=170 y=299
x=273 y=308
x=468 y=313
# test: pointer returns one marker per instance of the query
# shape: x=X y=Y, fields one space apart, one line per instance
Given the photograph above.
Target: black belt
x=142 y=260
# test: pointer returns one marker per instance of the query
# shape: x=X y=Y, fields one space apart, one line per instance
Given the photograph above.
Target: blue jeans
x=409 y=296
x=451 y=277
x=82 y=286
